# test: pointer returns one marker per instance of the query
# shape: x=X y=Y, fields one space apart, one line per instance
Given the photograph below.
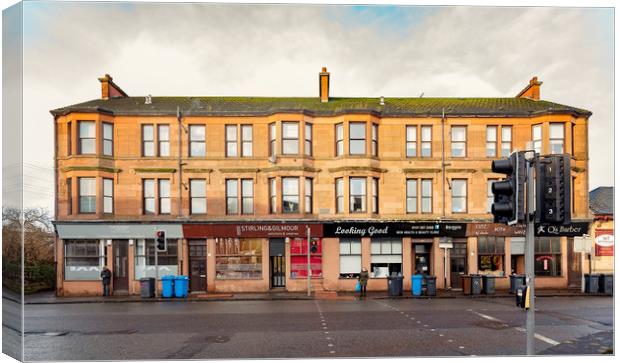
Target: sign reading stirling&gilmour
x=250 y=230
x=604 y=242
x=394 y=229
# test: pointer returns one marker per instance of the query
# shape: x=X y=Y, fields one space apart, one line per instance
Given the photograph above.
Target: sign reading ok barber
x=396 y=229
x=571 y=230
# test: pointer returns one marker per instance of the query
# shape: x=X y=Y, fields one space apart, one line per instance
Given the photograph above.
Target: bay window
x=290 y=195
x=290 y=138
x=357 y=195
x=537 y=138
x=357 y=138
x=339 y=195
x=308 y=195
x=374 y=187
x=374 y=146
x=272 y=139
x=272 y=196
x=108 y=138
x=87 y=137
x=556 y=138
x=308 y=140
x=87 y=191
x=108 y=195
x=339 y=140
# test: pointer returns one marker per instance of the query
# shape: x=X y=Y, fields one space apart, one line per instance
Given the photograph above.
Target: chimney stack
x=532 y=90
x=109 y=89
x=324 y=85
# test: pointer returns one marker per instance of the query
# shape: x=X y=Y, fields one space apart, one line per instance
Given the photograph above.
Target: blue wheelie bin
x=416 y=285
x=181 y=286
x=167 y=282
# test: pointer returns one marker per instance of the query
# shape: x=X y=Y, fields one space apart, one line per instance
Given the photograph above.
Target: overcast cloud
x=260 y=50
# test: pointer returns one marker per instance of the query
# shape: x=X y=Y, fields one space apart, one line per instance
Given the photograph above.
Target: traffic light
x=553 y=189
x=508 y=195
x=314 y=246
x=161 y=241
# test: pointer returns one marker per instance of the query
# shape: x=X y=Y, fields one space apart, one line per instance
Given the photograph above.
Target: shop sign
x=250 y=230
x=495 y=229
x=582 y=245
x=570 y=230
x=604 y=242
x=397 y=229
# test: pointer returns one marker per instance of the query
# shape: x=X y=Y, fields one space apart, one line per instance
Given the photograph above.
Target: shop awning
x=117 y=230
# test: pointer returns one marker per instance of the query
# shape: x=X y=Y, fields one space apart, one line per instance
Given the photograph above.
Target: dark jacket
x=106 y=275
x=363 y=278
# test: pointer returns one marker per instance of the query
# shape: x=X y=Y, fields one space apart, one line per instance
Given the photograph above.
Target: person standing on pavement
x=363 y=279
x=106 y=275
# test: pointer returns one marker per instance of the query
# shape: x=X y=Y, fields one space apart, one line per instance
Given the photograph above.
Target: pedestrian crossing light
x=508 y=195
x=161 y=241
x=314 y=247
x=553 y=189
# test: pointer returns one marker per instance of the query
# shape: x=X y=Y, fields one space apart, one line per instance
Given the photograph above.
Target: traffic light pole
x=308 y=248
x=529 y=256
x=156 y=269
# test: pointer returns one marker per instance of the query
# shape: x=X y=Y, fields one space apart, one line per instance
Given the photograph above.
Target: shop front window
x=386 y=257
x=299 y=258
x=350 y=257
x=238 y=259
x=547 y=256
x=84 y=259
x=167 y=262
x=491 y=255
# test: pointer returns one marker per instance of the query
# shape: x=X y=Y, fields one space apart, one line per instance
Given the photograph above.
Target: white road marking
x=461 y=347
x=330 y=345
x=450 y=340
x=540 y=337
x=487 y=317
x=332 y=351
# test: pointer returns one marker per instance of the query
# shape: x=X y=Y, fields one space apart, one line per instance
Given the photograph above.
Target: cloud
x=211 y=49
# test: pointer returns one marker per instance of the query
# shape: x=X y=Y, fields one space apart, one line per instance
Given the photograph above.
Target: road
x=306 y=328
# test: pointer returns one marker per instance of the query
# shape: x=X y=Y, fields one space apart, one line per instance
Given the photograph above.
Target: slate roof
x=264 y=106
x=602 y=200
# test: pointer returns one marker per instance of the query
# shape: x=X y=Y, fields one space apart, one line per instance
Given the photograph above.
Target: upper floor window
x=490 y=197
x=412 y=141
x=308 y=141
x=426 y=143
x=374 y=187
x=164 y=196
x=459 y=196
x=339 y=195
x=231 y=196
x=374 y=140
x=308 y=195
x=290 y=195
x=537 y=138
x=506 y=141
x=87 y=143
x=272 y=196
x=459 y=141
x=412 y=196
x=148 y=140
x=108 y=195
x=556 y=138
x=246 y=140
x=427 y=196
x=198 y=196
x=163 y=138
x=197 y=140
x=491 y=141
x=339 y=140
x=231 y=140
x=290 y=138
x=108 y=138
x=357 y=195
x=148 y=196
x=88 y=194
x=247 y=196
x=357 y=138
x=272 y=139
x=69 y=138
x=69 y=196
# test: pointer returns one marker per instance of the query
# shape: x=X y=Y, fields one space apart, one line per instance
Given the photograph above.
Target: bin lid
x=167 y=277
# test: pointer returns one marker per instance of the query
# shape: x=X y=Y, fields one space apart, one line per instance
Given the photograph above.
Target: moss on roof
x=261 y=106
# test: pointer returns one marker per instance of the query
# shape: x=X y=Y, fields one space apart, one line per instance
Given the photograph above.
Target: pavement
x=49 y=297
x=597 y=343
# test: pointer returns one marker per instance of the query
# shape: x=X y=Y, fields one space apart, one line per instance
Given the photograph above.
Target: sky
x=278 y=50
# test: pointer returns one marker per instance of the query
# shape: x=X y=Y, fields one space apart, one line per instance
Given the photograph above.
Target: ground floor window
x=386 y=257
x=84 y=259
x=299 y=257
x=548 y=256
x=238 y=258
x=491 y=255
x=350 y=257
x=167 y=262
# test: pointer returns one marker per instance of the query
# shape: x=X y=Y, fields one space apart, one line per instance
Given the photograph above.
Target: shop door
x=574 y=265
x=277 y=266
x=458 y=264
x=120 y=277
x=422 y=259
x=198 y=266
